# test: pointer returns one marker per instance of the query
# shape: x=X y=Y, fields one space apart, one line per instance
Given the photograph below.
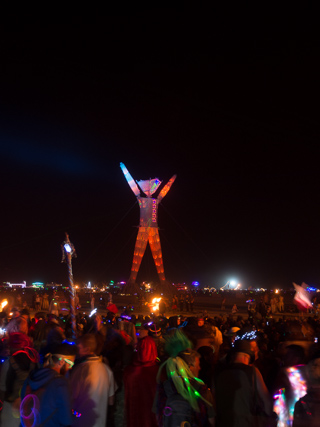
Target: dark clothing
x=235 y=396
x=307 y=410
x=55 y=406
x=19 y=367
x=187 y=302
x=172 y=408
x=162 y=307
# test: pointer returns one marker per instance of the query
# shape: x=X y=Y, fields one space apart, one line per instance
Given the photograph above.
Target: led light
x=250 y=336
x=67 y=248
x=93 y=312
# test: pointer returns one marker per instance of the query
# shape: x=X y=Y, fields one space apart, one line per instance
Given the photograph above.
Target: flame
x=4 y=303
x=155 y=304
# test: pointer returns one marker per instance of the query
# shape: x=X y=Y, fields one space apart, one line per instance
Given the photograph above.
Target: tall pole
x=68 y=252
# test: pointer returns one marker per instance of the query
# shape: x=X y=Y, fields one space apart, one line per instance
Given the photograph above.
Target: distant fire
x=154 y=306
x=3 y=304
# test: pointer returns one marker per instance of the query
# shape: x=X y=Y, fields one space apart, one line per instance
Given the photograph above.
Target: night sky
x=226 y=99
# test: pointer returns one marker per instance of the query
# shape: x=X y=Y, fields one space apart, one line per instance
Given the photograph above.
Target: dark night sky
x=226 y=99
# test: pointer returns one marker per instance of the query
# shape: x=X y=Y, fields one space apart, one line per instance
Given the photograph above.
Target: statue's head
x=149 y=186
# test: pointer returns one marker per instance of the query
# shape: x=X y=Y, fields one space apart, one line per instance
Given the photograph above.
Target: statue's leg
x=139 y=249
x=154 y=242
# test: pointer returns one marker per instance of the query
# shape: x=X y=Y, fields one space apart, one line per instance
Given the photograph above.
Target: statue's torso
x=148 y=212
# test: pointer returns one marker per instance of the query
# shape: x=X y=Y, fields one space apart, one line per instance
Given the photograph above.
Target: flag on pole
x=302 y=297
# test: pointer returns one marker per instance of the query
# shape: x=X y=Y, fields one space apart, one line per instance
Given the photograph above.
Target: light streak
x=93 y=312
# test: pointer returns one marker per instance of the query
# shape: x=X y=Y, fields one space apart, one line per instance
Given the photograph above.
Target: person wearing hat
x=238 y=387
x=155 y=332
x=45 y=396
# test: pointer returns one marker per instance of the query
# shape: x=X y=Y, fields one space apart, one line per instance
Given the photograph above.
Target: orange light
x=154 y=306
x=4 y=303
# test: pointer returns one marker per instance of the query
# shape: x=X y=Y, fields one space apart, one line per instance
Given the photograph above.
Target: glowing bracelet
x=34 y=412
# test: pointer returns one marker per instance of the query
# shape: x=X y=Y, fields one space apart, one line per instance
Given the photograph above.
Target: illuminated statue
x=148 y=228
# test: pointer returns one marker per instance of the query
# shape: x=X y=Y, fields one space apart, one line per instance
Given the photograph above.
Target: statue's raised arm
x=166 y=188
x=130 y=180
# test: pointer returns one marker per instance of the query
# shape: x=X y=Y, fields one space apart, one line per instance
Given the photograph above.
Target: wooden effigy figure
x=148 y=227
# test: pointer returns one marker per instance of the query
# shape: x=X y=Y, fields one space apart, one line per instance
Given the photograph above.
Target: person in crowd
x=22 y=359
x=155 y=332
x=18 y=301
x=207 y=363
x=181 y=302
x=141 y=375
x=281 y=304
x=191 y=301
x=234 y=309
x=18 y=323
x=55 y=335
x=174 y=303
x=25 y=305
x=100 y=331
x=54 y=307
x=45 y=395
x=187 y=302
x=92 y=385
x=38 y=332
x=37 y=302
x=92 y=300
x=273 y=304
x=238 y=387
x=174 y=322
x=110 y=298
x=127 y=327
x=200 y=321
x=45 y=302
x=181 y=396
x=265 y=360
x=162 y=307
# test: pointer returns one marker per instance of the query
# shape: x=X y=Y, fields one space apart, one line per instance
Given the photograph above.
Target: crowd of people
x=130 y=370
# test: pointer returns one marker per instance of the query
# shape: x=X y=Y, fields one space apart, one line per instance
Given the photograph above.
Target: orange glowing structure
x=148 y=228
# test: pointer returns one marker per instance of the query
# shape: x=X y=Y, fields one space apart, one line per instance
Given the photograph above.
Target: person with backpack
x=45 y=395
